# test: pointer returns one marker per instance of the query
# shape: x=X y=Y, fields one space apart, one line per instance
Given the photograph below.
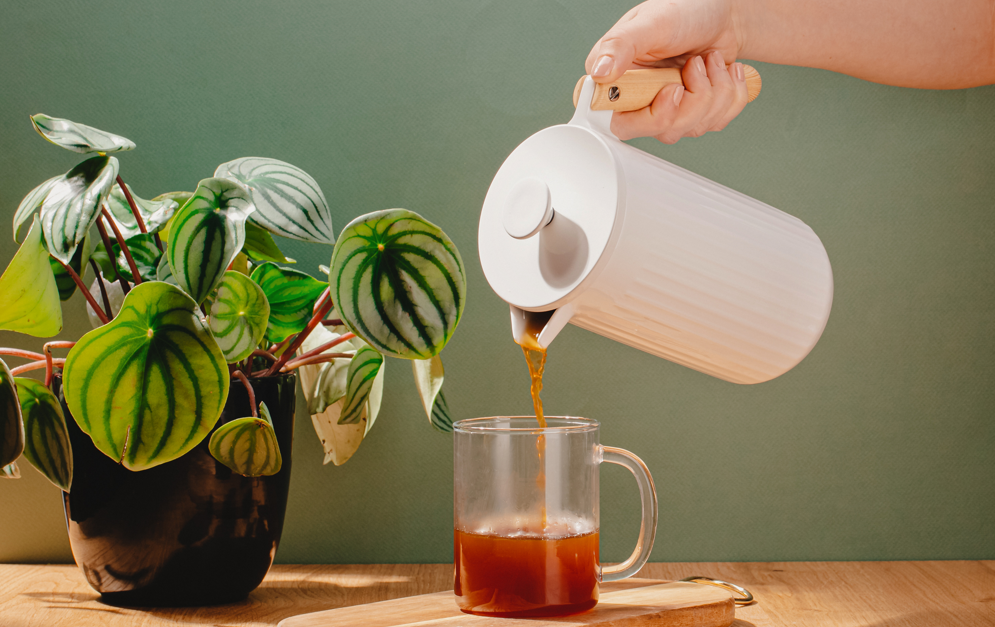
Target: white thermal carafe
x=634 y=248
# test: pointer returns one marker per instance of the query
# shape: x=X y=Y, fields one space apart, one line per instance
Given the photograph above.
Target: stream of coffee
x=535 y=357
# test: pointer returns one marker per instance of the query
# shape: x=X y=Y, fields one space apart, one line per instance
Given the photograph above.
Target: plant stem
x=321 y=311
x=107 y=246
x=89 y=297
x=248 y=388
x=124 y=246
x=16 y=352
x=48 y=358
x=138 y=215
x=294 y=364
x=277 y=349
x=345 y=337
x=266 y=354
x=103 y=288
x=337 y=322
x=131 y=203
x=321 y=299
x=36 y=365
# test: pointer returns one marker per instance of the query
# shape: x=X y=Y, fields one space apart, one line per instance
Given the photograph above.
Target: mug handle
x=647 y=529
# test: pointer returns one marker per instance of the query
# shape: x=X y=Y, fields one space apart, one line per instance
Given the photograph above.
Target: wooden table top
x=816 y=594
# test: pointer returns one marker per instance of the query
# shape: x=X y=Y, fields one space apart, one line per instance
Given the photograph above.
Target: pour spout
x=541 y=325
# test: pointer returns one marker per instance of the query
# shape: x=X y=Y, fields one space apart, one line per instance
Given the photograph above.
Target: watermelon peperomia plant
x=190 y=293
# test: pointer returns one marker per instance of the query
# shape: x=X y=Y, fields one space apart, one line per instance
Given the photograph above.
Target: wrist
x=743 y=14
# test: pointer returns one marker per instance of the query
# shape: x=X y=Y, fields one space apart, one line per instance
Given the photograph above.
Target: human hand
x=699 y=36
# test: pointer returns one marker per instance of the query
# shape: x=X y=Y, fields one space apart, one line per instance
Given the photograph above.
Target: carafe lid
x=548 y=216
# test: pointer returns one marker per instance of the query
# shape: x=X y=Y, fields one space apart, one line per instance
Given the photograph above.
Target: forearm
x=932 y=44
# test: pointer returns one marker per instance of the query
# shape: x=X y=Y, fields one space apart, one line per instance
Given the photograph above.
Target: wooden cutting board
x=628 y=603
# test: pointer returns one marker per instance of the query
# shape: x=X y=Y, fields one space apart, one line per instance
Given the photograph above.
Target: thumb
x=633 y=36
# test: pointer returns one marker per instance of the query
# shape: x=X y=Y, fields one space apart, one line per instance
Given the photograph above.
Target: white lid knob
x=528 y=208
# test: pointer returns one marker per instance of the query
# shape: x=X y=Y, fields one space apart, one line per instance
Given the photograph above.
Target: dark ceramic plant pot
x=188 y=532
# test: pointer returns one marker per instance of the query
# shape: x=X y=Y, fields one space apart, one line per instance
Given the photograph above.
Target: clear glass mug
x=526 y=515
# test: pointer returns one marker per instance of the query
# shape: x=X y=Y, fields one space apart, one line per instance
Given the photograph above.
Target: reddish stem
x=294 y=364
x=36 y=365
x=321 y=299
x=125 y=288
x=248 y=388
x=266 y=354
x=17 y=352
x=345 y=337
x=131 y=203
x=277 y=348
x=89 y=297
x=103 y=288
x=48 y=358
x=124 y=246
x=322 y=311
x=336 y=322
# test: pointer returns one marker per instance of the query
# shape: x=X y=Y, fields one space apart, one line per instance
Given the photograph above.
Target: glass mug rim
x=525 y=425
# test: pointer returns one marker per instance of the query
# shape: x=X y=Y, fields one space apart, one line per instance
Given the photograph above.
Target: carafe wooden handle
x=636 y=88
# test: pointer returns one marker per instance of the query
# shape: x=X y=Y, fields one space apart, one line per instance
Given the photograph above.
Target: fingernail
x=700 y=64
x=603 y=66
x=740 y=72
x=678 y=95
x=718 y=60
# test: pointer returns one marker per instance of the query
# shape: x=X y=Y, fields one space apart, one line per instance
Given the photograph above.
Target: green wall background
x=879 y=445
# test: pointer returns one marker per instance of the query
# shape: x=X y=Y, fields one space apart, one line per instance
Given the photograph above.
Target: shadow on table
x=275 y=599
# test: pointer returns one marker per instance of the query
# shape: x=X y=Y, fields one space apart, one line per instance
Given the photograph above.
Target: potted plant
x=169 y=425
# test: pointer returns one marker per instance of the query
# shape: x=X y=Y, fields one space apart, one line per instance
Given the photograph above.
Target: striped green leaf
x=78 y=137
x=441 y=419
x=398 y=282
x=248 y=445
x=181 y=199
x=155 y=213
x=238 y=316
x=206 y=234
x=32 y=204
x=150 y=385
x=64 y=282
x=429 y=375
x=259 y=245
x=340 y=441
x=28 y=290
x=107 y=262
x=79 y=263
x=11 y=427
x=73 y=205
x=164 y=273
x=288 y=201
x=291 y=295
x=144 y=252
x=327 y=382
x=10 y=471
x=363 y=370
x=46 y=439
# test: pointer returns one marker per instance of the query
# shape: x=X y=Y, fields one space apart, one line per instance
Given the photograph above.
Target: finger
x=741 y=96
x=723 y=92
x=639 y=31
x=651 y=121
x=697 y=100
